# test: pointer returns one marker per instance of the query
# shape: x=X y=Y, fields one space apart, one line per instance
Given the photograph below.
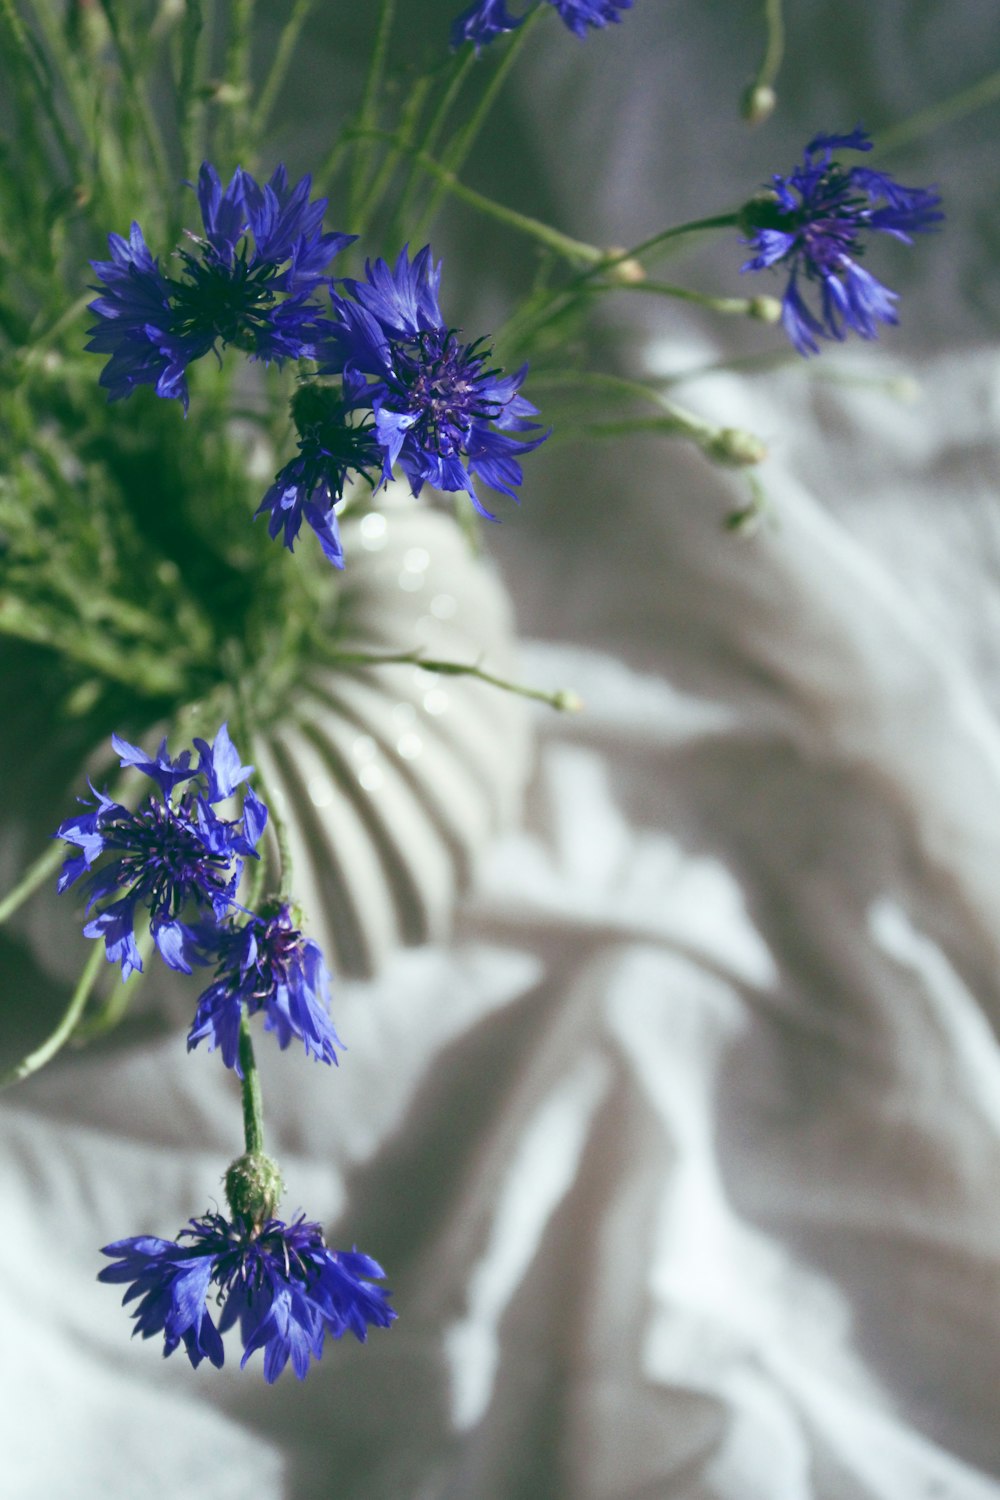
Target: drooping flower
x=814 y=225
x=277 y=1280
x=267 y=964
x=579 y=14
x=483 y=21
x=332 y=446
x=177 y=859
x=441 y=410
x=487 y=19
x=250 y=281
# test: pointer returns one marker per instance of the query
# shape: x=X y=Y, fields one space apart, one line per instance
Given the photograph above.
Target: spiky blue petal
x=815 y=228
x=278 y=1281
x=177 y=860
x=442 y=413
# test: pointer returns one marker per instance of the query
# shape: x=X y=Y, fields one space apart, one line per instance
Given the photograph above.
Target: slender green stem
x=36 y=874
x=188 y=106
x=280 y=828
x=965 y=102
x=774 y=47
x=379 y=184
x=530 y=320
x=67 y=1024
x=237 y=71
x=368 y=113
x=563 y=699
x=279 y=67
x=460 y=67
x=38 y=71
x=573 y=250
x=37 y=346
x=465 y=139
x=253 y=1104
x=138 y=97
x=746 y=307
x=113 y=1009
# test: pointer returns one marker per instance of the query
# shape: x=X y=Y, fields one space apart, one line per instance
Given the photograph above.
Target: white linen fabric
x=683 y=1155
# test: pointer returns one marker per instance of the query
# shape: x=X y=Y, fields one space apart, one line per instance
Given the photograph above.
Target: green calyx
x=253 y=1187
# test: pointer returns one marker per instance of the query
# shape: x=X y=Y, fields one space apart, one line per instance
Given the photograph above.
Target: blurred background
x=681 y=1149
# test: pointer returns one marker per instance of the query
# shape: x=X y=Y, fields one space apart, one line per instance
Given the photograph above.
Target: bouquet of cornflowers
x=161 y=589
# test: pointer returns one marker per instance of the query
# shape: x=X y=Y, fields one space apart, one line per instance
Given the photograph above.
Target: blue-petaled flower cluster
x=441 y=411
x=407 y=390
x=814 y=227
x=249 y=279
x=277 y=1281
x=487 y=19
x=175 y=858
x=265 y=964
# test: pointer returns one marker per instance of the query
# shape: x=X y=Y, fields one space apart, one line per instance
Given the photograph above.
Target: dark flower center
x=445 y=383
x=229 y=302
x=165 y=858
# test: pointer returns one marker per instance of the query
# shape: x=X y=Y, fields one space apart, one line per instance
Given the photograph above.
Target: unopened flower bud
x=757 y=104
x=736 y=447
x=765 y=309
x=567 y=701
x=629 y=272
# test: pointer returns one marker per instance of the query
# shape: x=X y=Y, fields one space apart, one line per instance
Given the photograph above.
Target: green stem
x=34 y=350
x=281 y=838
x=528 y=322
x=188 y=106
x=562 y=244
x=113 y=1009
x=279 y=67
x=35 y=875
x=237 y=71
x=465 y=139
x=39 y=74
x=965 y=102
x=253 y=1104
x=774 y=48
x=138 y=96
x=368 y=112
x=379 y=184
x=563 y=699
x=747 y=307
x=460 y=66
x=67 y=1024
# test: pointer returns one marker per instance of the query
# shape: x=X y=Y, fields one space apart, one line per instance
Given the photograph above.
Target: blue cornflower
x=814 y=224
x=579 y=14
x=486 y=19
x=442 y=412
x=168 y=856
x=331 y=446
x=266 y=964
x=279 y=1281
x=250 y=282
x=482 y=22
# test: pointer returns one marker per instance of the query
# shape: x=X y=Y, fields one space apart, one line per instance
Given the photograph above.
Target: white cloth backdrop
x=684 y=1154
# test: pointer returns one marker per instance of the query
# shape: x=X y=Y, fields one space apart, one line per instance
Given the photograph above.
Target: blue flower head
x=277 y=1280
x=441 y=410
x=579 y=14
x=487 y=19
x=332 y=446
x=266 y=964
x=483 y=21
x=174 y=857
x=814 y=225
x=249 y=279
